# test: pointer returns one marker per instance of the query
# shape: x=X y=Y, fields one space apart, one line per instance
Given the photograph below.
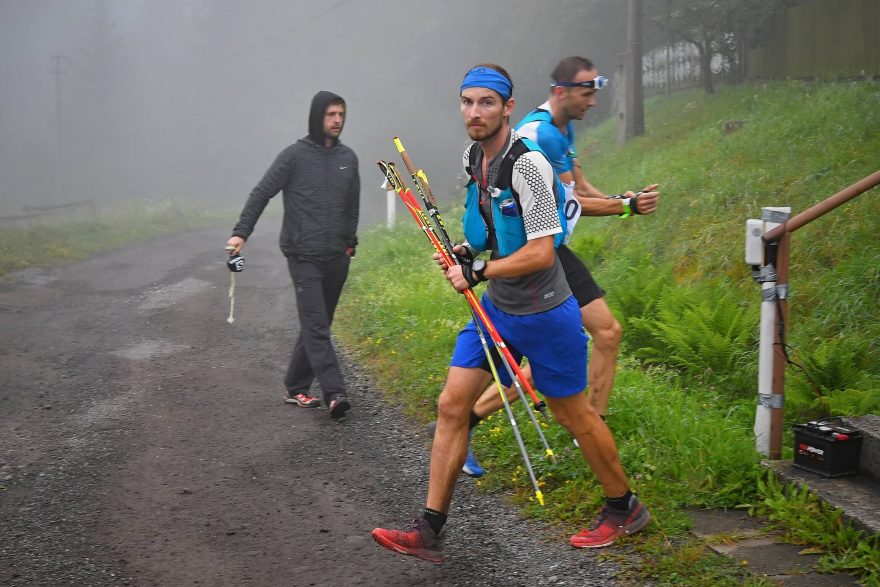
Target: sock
x=475 y=419
x=435 y=519
x=620 y=503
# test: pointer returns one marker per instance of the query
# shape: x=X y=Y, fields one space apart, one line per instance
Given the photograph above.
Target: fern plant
x=710 y=341
x=836 y=380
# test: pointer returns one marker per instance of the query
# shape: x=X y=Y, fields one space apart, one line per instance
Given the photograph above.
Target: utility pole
x=634 y=118
x=57 y=71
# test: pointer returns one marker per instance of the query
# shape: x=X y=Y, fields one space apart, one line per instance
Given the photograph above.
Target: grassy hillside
x=795 y=145
x=684 y=397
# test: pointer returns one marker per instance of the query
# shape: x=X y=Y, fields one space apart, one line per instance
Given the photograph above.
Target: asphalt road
x=143 y=441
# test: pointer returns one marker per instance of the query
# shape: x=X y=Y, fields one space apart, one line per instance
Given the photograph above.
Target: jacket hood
x=320 y=102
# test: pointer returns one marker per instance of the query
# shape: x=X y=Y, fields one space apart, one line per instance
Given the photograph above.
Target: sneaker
x=419 y=541
x=303 y=400
x=471 y=467
x=611 y=524
x=338 y=406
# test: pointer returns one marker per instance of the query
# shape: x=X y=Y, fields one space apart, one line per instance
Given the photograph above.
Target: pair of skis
x=432 y=225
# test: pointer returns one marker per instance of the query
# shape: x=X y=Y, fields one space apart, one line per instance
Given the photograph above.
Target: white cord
x=231 y=319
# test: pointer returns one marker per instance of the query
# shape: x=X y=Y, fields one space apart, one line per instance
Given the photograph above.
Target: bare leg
x=576 y=414
x=490 y=401
x=450 y=439
x=606 y=333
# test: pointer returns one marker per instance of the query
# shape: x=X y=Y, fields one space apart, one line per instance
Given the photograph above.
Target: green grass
x=683 y=404
x=55 y=241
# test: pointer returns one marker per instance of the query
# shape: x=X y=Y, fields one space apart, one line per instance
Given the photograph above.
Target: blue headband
x=486 y=77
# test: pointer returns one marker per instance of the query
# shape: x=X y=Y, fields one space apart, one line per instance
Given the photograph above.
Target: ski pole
x=424 y=189
x=409 y=200
x=477 y=312
x=508 y=410
x=420 y=179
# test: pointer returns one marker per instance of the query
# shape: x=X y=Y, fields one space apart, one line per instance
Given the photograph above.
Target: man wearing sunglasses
x=574 y=87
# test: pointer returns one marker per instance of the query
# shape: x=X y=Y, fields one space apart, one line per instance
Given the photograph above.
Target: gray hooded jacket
x=321 y=192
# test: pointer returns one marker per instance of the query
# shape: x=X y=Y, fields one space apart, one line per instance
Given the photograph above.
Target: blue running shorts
x=554 y=342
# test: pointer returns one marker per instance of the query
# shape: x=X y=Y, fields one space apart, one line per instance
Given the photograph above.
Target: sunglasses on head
x=598 y=83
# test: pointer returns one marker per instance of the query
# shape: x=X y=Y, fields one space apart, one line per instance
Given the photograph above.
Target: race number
x=571 y=209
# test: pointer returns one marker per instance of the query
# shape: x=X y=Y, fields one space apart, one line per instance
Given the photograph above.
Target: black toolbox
x=827 y=448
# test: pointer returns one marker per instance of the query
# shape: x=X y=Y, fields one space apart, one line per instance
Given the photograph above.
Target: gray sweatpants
x=318 y=285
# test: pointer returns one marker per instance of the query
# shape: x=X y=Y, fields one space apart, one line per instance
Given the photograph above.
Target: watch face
x=479 y=265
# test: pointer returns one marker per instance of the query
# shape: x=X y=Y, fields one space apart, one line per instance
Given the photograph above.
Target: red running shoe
x=419 y=541
x=303 y=400
x=611 y=524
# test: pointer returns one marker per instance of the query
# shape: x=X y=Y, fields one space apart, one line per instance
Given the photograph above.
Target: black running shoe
x=339 y=406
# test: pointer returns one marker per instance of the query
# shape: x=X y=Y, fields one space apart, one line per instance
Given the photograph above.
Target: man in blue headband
x=529 y=302
x=573 y=88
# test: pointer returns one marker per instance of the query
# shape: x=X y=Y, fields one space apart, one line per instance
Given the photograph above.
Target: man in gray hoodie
x=319 y=179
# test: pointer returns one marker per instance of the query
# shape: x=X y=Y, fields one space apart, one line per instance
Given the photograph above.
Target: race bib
x=571 y=209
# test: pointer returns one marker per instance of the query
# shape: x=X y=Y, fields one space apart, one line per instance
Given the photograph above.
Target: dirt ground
x=143 y=441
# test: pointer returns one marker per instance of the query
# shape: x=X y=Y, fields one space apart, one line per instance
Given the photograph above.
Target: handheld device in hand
x=235 y=263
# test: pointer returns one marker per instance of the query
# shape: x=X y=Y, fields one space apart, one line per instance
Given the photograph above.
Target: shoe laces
x=603 y=516
x=426 y=534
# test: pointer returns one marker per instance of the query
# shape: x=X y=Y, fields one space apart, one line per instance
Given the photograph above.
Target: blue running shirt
x=558 y=146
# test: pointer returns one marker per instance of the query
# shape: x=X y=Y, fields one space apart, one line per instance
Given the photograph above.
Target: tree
x=702 y=23
x=727 y=28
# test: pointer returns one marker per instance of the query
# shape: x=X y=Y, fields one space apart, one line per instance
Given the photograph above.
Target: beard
x=575 y=113
x=484 y=133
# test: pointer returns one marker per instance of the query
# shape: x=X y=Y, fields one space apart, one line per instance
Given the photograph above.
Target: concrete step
x=858 y=496
x=869 y=463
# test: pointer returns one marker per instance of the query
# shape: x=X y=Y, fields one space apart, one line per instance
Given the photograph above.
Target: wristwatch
x=479 y=267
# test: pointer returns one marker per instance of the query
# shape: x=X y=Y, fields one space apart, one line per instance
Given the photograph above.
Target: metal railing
x=773 y=275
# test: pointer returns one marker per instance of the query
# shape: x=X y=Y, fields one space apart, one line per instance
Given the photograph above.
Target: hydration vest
x=507 y=214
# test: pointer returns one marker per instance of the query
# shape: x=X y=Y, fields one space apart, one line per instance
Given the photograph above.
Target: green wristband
x=627 y=209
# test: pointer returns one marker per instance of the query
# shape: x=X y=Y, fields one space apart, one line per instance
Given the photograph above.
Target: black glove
x=467 y=255
x=468 y=273
x=473 y=272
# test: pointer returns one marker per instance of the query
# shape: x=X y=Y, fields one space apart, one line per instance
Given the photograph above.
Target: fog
x=192 y=99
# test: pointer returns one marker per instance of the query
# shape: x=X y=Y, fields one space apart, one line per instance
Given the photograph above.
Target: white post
x=772 y=217
x=390 y=209
x=765 y=364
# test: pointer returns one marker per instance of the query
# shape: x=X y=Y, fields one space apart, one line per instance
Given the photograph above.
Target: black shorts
x=582 y=284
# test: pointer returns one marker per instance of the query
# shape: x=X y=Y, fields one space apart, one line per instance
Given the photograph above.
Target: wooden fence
x=822 y=38
x=826 y=39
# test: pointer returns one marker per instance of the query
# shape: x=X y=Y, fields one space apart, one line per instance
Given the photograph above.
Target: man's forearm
x=251 y=212
x=535 y=255
x=601 y=206
x=582 y=187
x=271 y=183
